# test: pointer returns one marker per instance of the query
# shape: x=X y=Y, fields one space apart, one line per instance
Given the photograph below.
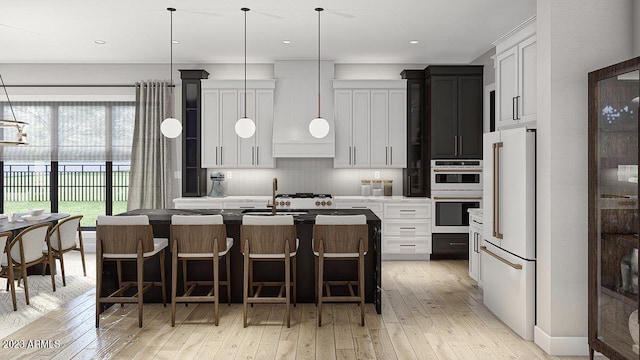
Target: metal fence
x=76 y=183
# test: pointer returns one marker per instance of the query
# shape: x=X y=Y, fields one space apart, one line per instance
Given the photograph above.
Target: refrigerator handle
x=497 y=257
x=496 y=190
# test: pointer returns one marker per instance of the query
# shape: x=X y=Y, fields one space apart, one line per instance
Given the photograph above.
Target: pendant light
x=171 y=127
x=18 y=125
x=319 y=127
x=245 y=127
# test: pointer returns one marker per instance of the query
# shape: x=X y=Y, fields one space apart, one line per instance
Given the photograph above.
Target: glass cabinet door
x=616 y=148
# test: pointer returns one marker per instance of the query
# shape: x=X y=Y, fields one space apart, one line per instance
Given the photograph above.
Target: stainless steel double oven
x=456 y=186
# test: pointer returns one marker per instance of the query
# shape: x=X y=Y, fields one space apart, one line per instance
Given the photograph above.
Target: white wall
x=489 y=72
x=572 y=40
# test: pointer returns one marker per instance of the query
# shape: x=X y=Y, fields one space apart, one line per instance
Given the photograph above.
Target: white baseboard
x=561 y=345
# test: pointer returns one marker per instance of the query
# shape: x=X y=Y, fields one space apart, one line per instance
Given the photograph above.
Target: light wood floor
x=431 y=310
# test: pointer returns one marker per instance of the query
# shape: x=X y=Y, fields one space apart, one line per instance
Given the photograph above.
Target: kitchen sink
x=278 y=212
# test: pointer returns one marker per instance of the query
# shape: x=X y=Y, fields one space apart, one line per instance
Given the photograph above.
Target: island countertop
x=234 y=216
x=160 y=220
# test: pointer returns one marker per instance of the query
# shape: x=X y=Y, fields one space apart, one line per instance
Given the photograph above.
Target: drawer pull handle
x=247 y=207
x=407 y=210
x=457 y=244
x=407 y=228
x=456 y=198
x=477 y=222
x=413 y=245
x=515 y=266
x=358 y=207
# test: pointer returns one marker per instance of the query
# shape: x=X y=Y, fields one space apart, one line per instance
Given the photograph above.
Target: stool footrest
x=188 y=299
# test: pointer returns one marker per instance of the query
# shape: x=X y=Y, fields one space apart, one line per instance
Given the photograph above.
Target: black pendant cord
x=8 y=100
x=245 y=61
x=319 y=10
x=172 y=112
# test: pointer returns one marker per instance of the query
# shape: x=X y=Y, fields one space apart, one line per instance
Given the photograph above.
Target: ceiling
x=211 y=31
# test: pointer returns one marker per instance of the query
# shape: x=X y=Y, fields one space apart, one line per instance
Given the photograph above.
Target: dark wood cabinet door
x=443 y=109
x=470 y=117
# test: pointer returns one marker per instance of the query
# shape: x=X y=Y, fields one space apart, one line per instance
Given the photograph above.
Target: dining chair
x=28 y=248
x=199 y=237
x=63 y=239
x=269 y=238
x=127 y=238
x=342 y=237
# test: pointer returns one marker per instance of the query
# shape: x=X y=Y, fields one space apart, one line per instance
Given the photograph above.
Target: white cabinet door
x=343 y=113
x=360 y=128
x=210 y=129
x=379 y=128
x=506 y=87
x=397 y=129
x=228 y=137
x=527 y=74
x=472 y=254
x=264 y=131
x=247 y=147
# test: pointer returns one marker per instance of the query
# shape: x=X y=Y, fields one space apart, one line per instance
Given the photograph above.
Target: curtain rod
x=78 y=86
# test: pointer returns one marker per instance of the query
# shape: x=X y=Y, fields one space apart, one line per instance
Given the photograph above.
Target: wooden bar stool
x=340 y=238
x=200 y=237
x=127 y=238
x=28 y=248
x=63 y=239
x=268 y=238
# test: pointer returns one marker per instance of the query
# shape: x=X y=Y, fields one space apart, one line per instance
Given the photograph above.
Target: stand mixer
x=218 y=185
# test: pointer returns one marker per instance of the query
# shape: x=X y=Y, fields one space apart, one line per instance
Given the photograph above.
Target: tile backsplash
x=304 y=175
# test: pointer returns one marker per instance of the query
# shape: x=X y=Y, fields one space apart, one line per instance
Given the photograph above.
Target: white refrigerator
x=509 y=236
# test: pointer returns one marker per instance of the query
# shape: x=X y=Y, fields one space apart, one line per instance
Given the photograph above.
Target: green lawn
x=90 y=209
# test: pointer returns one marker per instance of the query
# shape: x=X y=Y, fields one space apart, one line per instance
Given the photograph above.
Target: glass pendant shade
x=319 y=128
x=171 y=128
x=245 y=128
x=635 y=99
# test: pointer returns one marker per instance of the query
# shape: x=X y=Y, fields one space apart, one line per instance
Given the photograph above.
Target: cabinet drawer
x=373 y=206
x=398 y=245
x=450 y=244
x=407 y=211
x=246 y=205
x=408 y=228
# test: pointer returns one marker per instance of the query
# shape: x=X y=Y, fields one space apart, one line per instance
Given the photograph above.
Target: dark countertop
x=234 y=216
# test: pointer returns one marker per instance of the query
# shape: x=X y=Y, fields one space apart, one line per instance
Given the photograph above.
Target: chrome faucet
x=273 y=203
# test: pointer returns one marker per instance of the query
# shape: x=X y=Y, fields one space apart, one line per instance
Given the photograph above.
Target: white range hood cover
x=296 y=104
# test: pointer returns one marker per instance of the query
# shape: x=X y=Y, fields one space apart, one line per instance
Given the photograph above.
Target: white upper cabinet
x=370 y=121
x=516 y=78
x=223 y=104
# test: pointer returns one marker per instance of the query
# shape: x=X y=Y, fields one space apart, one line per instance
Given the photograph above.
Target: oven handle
x=515 y=266
x=458 y=170
x=496 y=190
x=456 y=198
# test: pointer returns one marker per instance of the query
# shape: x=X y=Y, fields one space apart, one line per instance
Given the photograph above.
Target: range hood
x=296 y=104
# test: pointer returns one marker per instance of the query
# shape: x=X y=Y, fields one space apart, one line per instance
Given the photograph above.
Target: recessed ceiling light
x=286 y=41
x=175 y=41
x=413 y=41
x=100 y=42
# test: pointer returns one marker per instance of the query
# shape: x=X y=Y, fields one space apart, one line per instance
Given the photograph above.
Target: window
x=77 y=160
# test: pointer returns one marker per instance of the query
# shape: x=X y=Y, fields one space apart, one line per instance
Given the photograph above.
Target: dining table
x=22 y=221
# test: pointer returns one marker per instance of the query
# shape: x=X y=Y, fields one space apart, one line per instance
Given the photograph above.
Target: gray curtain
x=150 y=175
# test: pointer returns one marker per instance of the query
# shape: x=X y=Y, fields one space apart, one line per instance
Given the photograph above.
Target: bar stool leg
x=184 y=277
x=245 y=284
x=287 y=282
x=361 y=282
x=98 y=280
x=320 y=281
x=119 y=271
x=174 y=281
x=140 y=263
x=162 y=277
x=295 y=282
x=227 y=260
x=216 y=283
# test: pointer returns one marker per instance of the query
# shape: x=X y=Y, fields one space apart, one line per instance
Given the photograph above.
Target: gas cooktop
x=305 y=196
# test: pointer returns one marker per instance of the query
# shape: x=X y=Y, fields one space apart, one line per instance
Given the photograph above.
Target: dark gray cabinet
x=454 y=111
x=194 y=177
x=415 y=180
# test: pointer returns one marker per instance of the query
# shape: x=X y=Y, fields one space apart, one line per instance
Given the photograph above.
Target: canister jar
x=376 y=187
x=388 y=187
x=365 y=187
